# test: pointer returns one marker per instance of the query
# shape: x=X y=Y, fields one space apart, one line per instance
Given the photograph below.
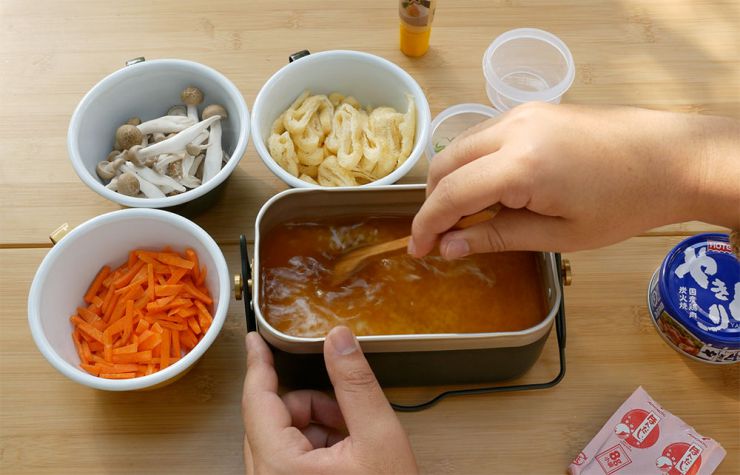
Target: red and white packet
x=642 y=438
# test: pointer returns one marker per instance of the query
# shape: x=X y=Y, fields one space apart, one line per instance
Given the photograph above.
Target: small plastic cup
x=453 y=121
x=525 y=65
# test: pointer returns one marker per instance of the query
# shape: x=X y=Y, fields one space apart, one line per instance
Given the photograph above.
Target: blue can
x=694 y=299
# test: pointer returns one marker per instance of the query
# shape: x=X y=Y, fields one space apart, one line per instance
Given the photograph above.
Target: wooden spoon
x=351 y=261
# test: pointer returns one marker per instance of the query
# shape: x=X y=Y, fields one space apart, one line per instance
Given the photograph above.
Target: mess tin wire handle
x=247 y=287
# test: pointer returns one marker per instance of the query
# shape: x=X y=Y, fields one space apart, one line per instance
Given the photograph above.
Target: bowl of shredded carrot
x=129 y=300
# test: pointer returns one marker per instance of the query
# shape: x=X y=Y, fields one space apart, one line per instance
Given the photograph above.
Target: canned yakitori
x=694 y=299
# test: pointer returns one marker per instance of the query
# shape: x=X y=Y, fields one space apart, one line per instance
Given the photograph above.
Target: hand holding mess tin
x=332 y=141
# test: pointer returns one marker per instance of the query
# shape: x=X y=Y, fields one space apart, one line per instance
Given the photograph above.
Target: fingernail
x=456 y=248
x=343 y=341
x=411 y=247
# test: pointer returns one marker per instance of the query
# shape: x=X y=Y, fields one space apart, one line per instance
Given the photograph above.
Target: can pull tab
x=298 y=55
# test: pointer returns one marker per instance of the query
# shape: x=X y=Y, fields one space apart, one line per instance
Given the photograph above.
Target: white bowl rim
x=518 y=95
x=94 y=184
x=423 y=115
x=78 y=375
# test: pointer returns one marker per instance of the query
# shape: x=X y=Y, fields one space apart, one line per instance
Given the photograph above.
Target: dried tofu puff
x=334 y=141
x=331 y=173
x=283 y=152
x=347 y=137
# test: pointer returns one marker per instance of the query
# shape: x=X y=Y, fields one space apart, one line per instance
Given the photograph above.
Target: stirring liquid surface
x=391 y=294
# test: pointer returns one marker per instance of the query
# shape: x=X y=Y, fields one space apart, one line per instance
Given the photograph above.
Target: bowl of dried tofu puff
x=340 y=119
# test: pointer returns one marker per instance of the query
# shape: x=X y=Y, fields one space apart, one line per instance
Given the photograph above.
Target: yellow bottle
x=416 y=25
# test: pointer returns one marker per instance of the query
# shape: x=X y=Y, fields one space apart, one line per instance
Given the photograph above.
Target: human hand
x=305 y=432
x=575 y=177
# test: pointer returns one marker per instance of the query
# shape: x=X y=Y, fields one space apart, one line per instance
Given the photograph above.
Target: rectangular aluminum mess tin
x=297 y=204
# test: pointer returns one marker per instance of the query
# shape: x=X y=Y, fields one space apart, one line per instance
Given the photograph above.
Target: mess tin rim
x=311 y=345
x=77 y=374
x=143 y=67
x=423 y=117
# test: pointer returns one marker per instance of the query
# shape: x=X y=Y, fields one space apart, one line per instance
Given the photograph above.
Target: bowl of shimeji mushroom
x=159 y=134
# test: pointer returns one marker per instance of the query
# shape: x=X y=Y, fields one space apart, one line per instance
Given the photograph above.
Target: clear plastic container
x=454 y=120
x=526 y=65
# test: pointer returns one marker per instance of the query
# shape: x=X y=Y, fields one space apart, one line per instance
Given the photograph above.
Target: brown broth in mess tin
x=392 y=294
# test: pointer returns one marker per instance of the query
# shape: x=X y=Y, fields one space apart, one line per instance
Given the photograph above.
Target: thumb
x=367 y=413
x=510 y=230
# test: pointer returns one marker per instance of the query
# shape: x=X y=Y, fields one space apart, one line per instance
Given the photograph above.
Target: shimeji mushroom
x=196 y=164
x=153 y=177
x=128 y=184
x=174 y=144
x=150 y=190
x=214 y=154
x=113 y=184
x=166 y=124
x=115 y=154
x=194 y=149
x=158 y=137
x=192 y=96
x=177 y=110
x=128 y=135
x=107 y=170
x=164 y=160
x=133 y=121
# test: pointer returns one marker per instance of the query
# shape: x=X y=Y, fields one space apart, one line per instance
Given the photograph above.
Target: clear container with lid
x=525 y=65
x=453 y=121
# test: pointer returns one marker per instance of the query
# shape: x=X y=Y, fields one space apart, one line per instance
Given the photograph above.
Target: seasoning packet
x=643 y=438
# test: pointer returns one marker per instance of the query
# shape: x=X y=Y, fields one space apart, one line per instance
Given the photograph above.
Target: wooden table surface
x=673 y=55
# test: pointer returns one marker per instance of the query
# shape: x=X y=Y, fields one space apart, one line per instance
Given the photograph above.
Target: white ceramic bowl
x=371 y=79
x=67 y=270
x=147 y=90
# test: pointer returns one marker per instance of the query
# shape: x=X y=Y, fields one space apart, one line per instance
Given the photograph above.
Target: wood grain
x=656 y=55
x=51 y=425
x=681 y=55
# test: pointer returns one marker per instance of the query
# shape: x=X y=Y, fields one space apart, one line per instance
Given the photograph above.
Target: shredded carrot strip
x=151 y=342
x=198 y=294
x=142 y=316
x=176 y=275
x=174 y=260
x=132 y=259
x=87 y=328
x=142 y=326
x=173 y=326
x=87 y=315
x=203 y=274
x=194 y=326
x=176 y=344
x=150 y=281
x=138 y=357
x=125 y=349
x=92 y=291
x=165 y=349
x=192 y=256
x=167 y=290
x=128 y=276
